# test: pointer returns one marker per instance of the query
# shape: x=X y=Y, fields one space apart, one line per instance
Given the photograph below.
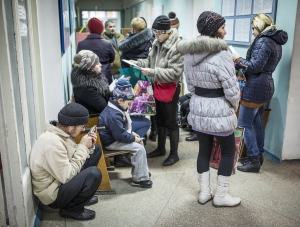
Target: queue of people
x=65 y=174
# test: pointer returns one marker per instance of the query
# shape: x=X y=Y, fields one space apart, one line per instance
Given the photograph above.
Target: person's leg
x=140 y=125
x=227 y=144
x=246 y=121
x=259 y=129
x=204 y=154
x=140 y=171
x=94 y=158
x=73 y=195
x=153 y=131
x=169 y=110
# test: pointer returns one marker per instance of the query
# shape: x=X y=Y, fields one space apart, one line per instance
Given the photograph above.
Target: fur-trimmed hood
x=83 y=78
x=135 y=40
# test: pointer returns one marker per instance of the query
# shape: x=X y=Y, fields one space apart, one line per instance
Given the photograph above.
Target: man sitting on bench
x=65 y=174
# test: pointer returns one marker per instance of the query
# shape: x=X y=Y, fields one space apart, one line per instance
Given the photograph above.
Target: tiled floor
x=269 y=198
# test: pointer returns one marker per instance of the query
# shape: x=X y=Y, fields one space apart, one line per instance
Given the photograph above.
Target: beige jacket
x=54 y=160
x=117 y=62
x=164 y=61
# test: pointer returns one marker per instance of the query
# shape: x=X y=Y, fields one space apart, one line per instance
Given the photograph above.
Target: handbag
x=164 y=92
x=144 y=102
x=216 y=156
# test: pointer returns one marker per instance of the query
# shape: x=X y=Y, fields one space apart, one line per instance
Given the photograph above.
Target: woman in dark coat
x=262 y=58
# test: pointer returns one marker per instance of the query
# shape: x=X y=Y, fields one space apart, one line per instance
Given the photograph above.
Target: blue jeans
x=254 y=135
x=140 y=125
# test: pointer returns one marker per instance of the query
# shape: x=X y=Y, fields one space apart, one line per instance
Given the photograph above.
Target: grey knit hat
x=86 y=60
x=73 y=114
x=161 y=24
x=209 y=22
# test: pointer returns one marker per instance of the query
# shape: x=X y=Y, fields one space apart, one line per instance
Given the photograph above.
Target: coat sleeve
x=111 y=53
x=260 y=55
x=172 y=72
x=94 y=99
x=57 y=163
x=144 y=63
x=226 y=75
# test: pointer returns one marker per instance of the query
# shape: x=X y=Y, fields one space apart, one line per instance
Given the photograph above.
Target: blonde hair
x=263 y=22
x=138 y=24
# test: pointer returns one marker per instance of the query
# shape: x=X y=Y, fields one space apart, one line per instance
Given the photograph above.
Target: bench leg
x=105 y=183
x=109 y=167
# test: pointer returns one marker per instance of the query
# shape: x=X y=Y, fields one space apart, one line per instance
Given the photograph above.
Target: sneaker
x=144 y=184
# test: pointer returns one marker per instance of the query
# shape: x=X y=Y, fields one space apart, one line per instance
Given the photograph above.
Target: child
x=118 y=134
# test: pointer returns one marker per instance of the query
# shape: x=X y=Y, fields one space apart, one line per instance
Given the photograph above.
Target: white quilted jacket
x=207 y=64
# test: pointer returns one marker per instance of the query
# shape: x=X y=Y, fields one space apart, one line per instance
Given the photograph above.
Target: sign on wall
x=64 y=24
x=239 y=15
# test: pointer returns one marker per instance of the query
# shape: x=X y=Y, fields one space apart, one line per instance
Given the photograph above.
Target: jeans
x=140 y=125
x=254 y=135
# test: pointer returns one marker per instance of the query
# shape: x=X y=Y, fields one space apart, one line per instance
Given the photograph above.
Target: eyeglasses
x=159 y=32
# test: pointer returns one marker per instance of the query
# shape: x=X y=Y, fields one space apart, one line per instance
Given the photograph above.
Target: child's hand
x=135 y=135
x=137 y=139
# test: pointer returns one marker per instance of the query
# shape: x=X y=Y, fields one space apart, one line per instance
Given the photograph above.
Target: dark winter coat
x=261 y=61
x=115 y=126
x=136 y=46
x=90 y=90
x=102 y=48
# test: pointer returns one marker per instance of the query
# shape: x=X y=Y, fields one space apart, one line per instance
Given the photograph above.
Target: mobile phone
x=93 y=129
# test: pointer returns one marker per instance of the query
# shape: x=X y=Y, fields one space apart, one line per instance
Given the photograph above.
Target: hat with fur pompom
x=86 y=59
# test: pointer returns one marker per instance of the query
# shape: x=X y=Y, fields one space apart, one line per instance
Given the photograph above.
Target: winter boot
x=252 y=165
x=205 y=192
x=221 y=198
x=174 y=140
x=160 y=150
x=153 y=132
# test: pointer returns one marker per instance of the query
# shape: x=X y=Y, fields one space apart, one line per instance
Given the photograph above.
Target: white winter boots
x=221 y=198
x=205 y=192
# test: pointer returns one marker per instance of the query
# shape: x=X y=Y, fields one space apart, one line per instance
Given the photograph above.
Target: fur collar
x=201 y=44
x=135 y=40
x=83 y=78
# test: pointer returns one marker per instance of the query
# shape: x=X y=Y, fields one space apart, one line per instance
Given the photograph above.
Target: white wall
x=291 y=142
x=50 y=53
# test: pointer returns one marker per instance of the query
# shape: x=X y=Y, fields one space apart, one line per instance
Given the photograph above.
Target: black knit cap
x=162 y=22
x=209 y=22
x=73 y=114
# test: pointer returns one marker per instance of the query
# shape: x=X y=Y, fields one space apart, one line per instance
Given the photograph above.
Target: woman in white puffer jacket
x=210 y=77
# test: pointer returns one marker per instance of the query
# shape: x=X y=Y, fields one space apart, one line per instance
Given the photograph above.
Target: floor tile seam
x=168 y=199
x=269 y=210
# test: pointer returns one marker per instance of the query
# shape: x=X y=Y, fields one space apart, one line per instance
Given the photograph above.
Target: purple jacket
x=103 y=49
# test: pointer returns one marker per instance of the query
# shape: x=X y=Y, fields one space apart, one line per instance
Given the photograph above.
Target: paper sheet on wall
x=243 y=7
x=229 y=29
x=22 y=12
x=262 y=6
x=23 y=29
x=228 y=7
x=242 y=29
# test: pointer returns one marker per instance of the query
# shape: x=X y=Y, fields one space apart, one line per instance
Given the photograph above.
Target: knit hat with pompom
x=123 y=90
x=86 y=60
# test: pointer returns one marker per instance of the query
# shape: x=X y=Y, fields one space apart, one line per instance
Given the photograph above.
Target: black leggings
x=227 y=144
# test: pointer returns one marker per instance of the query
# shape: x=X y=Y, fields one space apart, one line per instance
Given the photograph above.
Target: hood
x=83 y=78
x=135 y=40
x=197 y=49
x=279 y=36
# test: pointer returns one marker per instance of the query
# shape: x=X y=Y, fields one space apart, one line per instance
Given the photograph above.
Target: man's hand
x=145 y=71
x=89 y=140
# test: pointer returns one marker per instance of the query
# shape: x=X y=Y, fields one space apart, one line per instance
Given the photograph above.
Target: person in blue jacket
x=100 y=46
x=118 y=134
x=262 y=58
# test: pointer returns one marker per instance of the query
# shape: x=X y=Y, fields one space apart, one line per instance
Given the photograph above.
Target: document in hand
x=131 y=64
x=232 y=50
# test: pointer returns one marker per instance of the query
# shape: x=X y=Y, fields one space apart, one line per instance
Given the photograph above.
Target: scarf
x=125 y=115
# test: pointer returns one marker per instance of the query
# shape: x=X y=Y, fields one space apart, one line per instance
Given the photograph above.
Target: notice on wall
x=262 y=6
x=242 y=28
x=23 y=29
x=243 y=7
x=229 y=29
x=228 y=7
x=22 y=12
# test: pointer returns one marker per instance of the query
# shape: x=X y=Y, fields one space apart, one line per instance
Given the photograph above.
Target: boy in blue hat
x=118 y=134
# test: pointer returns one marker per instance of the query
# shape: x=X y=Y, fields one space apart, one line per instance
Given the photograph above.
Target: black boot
x=174 y=140
x=253 y=166
x=160 y=150
x=153 y=132
x=261 y=160
x=193 y=137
